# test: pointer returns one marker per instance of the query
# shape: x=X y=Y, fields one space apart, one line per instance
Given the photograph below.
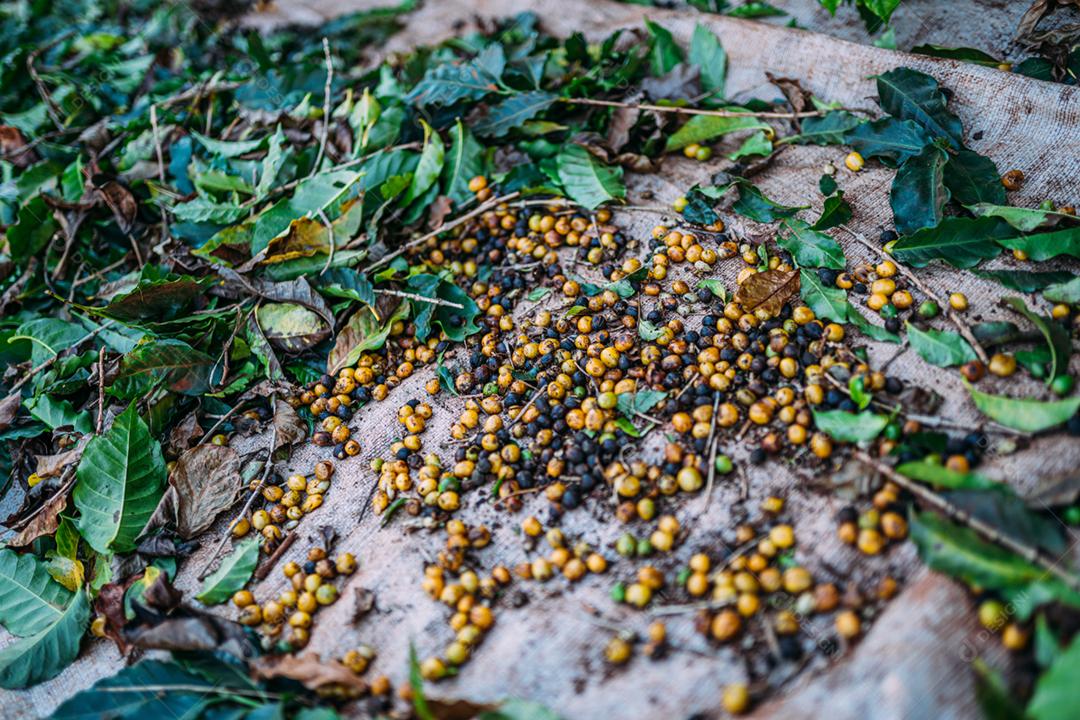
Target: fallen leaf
x=768 y=290
x=310 y=671
x=289 y=429
x=185 y=434
x=122 y=203
x=14 y=148
x=187 y=630
x=438 y=211
x=204 y=482
x=9 y=407
x=45 y=522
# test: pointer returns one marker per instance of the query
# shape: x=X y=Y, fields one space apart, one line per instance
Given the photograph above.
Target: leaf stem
x=990 y=533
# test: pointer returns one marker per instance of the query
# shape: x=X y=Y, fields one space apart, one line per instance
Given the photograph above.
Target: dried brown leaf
x=45 y=522
x=204 y=482
x=289 y=429
x=122 y=203
x=310 y=671
x=768 y=290
x=185 y=434
x=9 y=407
x=14 y=148
x=438 y=211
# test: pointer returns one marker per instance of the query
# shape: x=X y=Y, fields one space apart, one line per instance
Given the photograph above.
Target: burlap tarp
x=915 y=660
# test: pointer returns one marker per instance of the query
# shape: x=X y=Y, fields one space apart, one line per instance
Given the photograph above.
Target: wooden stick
x=480 y=210
x=1031 y=554
x=961 y=326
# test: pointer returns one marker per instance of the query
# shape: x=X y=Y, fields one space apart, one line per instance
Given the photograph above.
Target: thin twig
x=525 y=408
x=420 y=298
x=270 y=561
x=160 y=164
x=333 y=241
x=1031 y=554
x=326 y=105
x=50 y=105
x=696 y=111
x=251 y=498
x=961 y=326
x=100 y=390
x=480 y=210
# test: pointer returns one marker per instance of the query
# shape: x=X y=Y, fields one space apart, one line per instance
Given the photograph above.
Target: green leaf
x=1064 y=292
x=850 y=427
x=59 y=413
x=1057 y=337
x=227 y=148
x=416 y=682
x=867 y=328
x=1023 y=219
x=940 y=347
x=809 y=247
x=964 y=54
x=1057 y=694
x=959 y=552
x=41 y=656
x=708 y=55
x=642 y=401
x=911 y=95
x=918 y=193
x=30 y=600
x=1046 y=246
x=961 y=242
x=513 y=112
x=973 y=178
x=347 y=283
x=120 y=479
x=586 y=180
x=272 y=163
x=835 y=211
x=1025 y=281
x=753 y=203
x=757 y=144
x=32 y=230
x=941 y=476
x=464 y=162
x=703 y=128
x=50 y=337
x=537 y=294
x=450 y=82
x=664 y=52
x=829 y=129
x=716 y=287
x=889 y=138
x=430 y=165
x=148 y=688
x=649 y=332
x=233 y=573
x=828 y=303
x=179 y=366
x=1025 y=414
